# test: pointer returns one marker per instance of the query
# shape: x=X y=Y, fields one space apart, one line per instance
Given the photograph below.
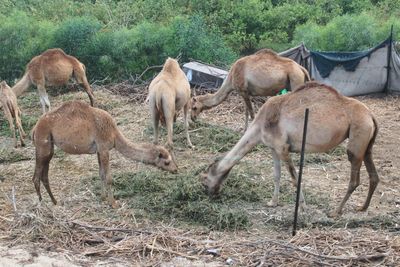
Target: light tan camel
x=332 y=119
x=169 y=92
x=77 y=128
x=264 y=73
x=11 y=112
x=52 y=68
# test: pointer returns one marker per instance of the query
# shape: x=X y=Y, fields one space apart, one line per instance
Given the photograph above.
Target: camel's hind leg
x=80 y=76
x=44 y=98
x=10 y=119
x=21 y=131
x=155 y=116
x=249 y=109
x=44 y=153
x=45 y=175
x=357 y=151
x=186 y=122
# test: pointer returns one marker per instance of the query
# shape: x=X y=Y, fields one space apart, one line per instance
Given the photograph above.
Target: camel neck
x=212 y=100
x=244 y=146
x=145 y=153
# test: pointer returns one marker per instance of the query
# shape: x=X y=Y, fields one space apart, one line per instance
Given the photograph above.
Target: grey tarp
x=300 y=54
x=204 y=75
x=368 y=77
x=394 y=77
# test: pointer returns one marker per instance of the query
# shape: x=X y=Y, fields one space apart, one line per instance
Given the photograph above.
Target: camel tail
x=372 y=141
x=22 y=85
x=307 y=77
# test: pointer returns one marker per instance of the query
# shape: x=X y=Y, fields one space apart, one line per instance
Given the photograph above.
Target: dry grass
x=164 y=216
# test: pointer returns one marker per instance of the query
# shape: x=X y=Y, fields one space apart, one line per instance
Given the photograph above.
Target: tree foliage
x=116 y=38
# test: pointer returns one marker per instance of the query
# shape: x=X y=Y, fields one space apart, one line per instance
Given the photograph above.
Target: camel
x=279 y=123
x=11 y=112
x=52 y=68
x=77 y=128
x=169 y=92
x=264 y=73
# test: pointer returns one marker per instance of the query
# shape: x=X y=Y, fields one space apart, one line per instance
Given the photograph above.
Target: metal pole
x=303 y=145
x=389 y=57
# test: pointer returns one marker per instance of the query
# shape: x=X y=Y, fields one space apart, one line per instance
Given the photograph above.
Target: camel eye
x=166 y=163
x=194 y=108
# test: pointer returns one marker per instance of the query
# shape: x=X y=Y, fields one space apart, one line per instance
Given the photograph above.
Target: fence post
x=303 y=145
x=389 y=58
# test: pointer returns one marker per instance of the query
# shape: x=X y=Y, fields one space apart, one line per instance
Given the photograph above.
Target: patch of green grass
x=204 y=136
x=12 y=155
x=28 y=122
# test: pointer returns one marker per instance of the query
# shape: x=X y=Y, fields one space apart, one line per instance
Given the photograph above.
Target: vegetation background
x=118 y=38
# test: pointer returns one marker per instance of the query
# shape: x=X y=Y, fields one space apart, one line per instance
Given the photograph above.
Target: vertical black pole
x=303 y=145
x=389 y=58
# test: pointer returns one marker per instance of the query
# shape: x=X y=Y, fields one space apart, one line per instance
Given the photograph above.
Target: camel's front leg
x=292 y=170
x=277 y=175
x=105 y=175
x=186 y=122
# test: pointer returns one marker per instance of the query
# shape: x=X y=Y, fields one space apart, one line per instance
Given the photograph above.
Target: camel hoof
x=115 y=205
x=334 y=215
x=361 y=208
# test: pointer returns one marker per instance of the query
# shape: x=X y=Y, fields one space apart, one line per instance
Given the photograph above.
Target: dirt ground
x=370 y=238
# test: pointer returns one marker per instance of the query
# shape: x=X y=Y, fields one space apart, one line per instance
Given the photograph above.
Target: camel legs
x=44 y=98
x=249 y=109
x=277 y=177
x=10 y=119
x=285 y=157
x=80 y=77
x=373 y=179
x=357 y=151
x=186 y=122
x=41 y=174
x=21 y=131
x=106 y=179
x=155 y=116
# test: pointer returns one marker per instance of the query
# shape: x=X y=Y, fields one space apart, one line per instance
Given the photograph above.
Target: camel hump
x=53 y=52
x=315 y=85
x=171 y=65
x=265 y=51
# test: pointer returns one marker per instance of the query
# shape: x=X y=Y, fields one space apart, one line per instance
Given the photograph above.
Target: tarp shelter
x=352 y=73
x=200 y=74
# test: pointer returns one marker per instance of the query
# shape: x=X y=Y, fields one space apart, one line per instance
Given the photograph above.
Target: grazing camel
x=78 y=128
x=279 y=123
x=169 y=92
x=11 y=112
x=264 y=73
x=52 y=68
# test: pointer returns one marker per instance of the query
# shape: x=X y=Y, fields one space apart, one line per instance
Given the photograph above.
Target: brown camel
x=52 y=68
x=279 y=123
x=11 y=112
x=264 y=73
x=169 y=92
x=78 y=128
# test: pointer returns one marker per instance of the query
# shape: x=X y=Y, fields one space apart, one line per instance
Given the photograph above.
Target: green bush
x=21 y=38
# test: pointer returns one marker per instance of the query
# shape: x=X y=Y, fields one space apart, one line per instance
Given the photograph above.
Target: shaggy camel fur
x=279 y=123
x=264 y=73
x=77 y=128
x=11 y=112
x=52 y=68
x=169 y=92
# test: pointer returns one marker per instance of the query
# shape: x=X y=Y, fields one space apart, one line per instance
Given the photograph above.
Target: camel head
x=197 y=108
x=165 y=160
x=212 y=179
